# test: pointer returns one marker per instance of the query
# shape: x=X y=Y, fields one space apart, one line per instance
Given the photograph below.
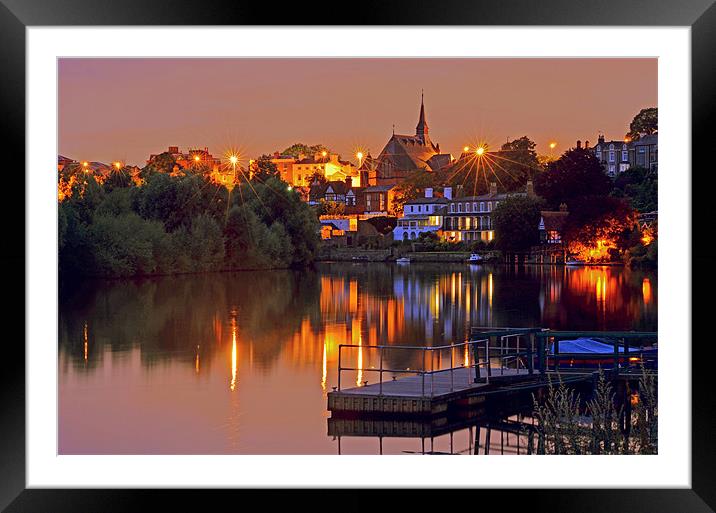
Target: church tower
x=421 y=130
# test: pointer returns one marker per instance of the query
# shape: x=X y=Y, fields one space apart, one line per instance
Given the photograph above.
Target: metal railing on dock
x=492 y=352
x=479 y=356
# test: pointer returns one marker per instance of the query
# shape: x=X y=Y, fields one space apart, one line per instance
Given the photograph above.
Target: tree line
x=177 y=223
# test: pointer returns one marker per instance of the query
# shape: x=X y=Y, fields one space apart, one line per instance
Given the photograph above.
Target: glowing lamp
x=466 y=149
x=197 y=158
x=480 y=150
x=552 y=145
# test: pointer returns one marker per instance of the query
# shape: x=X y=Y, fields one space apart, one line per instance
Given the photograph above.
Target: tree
x=644 y=123
x=297 y=149
x=640 y=186
x=575 y=174
x=599 y=227
x=331 y=208
x=317 y=177
x=510 y=168
x=413 y=187
x=515 y=163
x=516 y=222
x=265 y=169
x=162 y=163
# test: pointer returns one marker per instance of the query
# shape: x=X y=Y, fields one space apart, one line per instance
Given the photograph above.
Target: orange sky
x=125 y=109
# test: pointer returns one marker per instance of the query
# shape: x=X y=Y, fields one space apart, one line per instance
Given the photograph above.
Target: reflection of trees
x=297 y=314
x=169 y=317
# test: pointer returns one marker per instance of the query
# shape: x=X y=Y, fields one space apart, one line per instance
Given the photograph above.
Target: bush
x=125 y=245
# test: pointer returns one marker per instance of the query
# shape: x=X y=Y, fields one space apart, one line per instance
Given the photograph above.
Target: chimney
x=530 y=188
x=579 y=144
x=493 y=188
x=428 y=192
x=601 y=138
x=586 y=145
x=562 y=207
x=447 y=193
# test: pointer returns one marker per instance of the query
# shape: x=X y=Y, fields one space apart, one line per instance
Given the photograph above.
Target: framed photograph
x=321 y=255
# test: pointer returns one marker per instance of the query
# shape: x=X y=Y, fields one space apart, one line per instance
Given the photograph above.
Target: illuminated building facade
x=618 y=156
x=469 y=218
x=299 y=172
x=421 y=215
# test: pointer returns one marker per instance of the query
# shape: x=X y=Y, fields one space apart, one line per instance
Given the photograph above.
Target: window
x=599 y=154
x=611 y=146
x=482 y=206
x=611 y=156
x=474 y=207
x=467 y=207
x=625 y=156
x=459 y=207
x=452 y=207
x=489 y=206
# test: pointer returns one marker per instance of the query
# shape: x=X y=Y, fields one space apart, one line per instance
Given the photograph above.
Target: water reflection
x=156 y=376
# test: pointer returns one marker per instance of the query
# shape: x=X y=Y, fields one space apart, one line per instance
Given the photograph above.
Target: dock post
x=487 y=357
x=380 y=373
x=556 y=354
x=476 y=358
x=339 y=367
x=541 y=360
x=452 y=364
x=531 y=353
x=423 y=374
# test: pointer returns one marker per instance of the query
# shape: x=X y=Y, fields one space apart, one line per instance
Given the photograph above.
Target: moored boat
x=403 y=260
x=594 y=353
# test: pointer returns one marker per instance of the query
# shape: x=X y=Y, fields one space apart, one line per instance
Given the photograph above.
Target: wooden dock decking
x=426 y=395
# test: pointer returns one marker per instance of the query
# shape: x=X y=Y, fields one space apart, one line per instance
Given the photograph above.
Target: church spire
x=421 y=130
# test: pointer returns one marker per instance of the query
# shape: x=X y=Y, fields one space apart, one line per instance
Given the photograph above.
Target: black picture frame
x=700 y=15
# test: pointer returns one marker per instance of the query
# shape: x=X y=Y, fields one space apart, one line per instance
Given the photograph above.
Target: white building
x=421 y=215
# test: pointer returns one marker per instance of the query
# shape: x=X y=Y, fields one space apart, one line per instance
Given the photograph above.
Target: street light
x=465 y=149
x=359 y=156
x=480 y=150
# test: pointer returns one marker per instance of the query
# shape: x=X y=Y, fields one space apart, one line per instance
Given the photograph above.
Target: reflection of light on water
x=325 y=368
x=489 y=289
x=86 y=339
x=436 y=311
x=359 y=379
x=601 y=289
x=646 y=290
x=196 y=360
x=467 y=356
x=233 y=354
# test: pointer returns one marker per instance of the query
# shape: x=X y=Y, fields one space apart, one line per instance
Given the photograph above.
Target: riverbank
x=333 y=254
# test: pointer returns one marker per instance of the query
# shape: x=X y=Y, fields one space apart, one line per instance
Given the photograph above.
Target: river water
x=240 y=363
